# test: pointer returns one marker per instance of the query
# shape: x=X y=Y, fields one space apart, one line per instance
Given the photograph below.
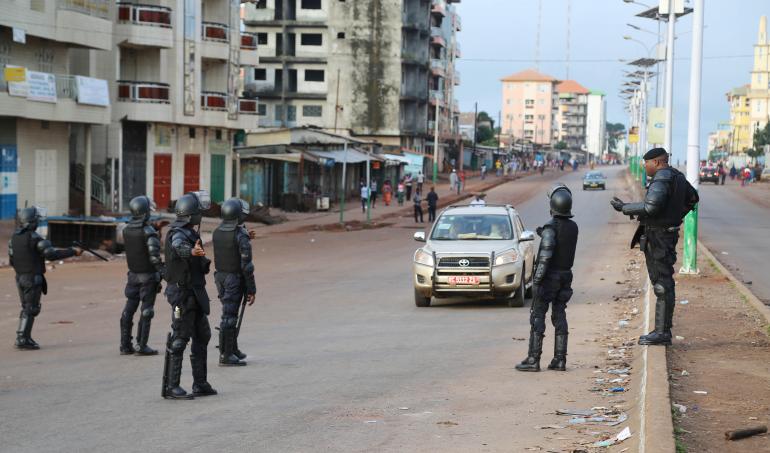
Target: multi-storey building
x=50 y=100
x=176 y=66
x=596 y=124
x=360 y=66
x=741 y=133
x=529 y=98
x=571 y=114
x=759 y=92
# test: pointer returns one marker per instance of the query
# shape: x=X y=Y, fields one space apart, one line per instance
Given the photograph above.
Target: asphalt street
x=340 y=359
x=735 y=229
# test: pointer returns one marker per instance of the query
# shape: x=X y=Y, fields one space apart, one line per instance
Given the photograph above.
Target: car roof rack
x=488 y=205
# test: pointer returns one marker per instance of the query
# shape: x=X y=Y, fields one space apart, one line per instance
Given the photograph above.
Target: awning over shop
x=292 y=157
x=394 y=159
x=353 y=156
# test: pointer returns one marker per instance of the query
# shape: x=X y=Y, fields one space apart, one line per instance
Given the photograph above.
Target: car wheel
x=604 y=187
x=518 y=297
x=420 y=300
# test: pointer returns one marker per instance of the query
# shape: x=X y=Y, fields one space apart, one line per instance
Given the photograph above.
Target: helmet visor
x=40 y=213
x=244 y=207
x=557 y=187
x=204 y=199
x=151 y=203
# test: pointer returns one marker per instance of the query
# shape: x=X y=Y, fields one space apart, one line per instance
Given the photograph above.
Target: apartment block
x=528 y=114
x=740 y=132
x=596 y=124
x=51 y=98
x=572 y=110
x=759 y=91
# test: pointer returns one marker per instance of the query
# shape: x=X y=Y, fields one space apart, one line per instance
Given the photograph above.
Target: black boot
x=532 y=362
x=23 y=339
x=173 y=390
x=226 y=343
x=126 y=348
x=661 y=335
x=559 y=362
x=200 y=387
x=237 y=351
x=142 y=335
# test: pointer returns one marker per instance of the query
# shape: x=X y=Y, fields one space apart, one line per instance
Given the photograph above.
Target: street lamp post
x=690 y=264
x=435 y=141
x=669 y=87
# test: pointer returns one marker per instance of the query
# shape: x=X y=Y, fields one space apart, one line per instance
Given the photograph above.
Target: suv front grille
x=474 y=261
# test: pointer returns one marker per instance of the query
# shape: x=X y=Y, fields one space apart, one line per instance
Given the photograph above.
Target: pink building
x=529 y=100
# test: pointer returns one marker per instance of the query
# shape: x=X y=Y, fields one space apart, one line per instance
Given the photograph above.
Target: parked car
x=709 y=174
x=594 y=180
x=475 y=252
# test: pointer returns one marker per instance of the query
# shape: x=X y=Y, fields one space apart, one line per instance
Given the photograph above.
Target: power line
x=589 y=60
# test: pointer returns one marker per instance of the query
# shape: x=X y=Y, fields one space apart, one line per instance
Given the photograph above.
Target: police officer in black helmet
x=669 y=198
x=28 y=251
x=234 y=276
x=553 y=281
x=186 y=269
x=145 y=270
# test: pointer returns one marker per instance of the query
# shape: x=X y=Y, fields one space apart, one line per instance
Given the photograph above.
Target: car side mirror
x=527 y=236
x=419 y=236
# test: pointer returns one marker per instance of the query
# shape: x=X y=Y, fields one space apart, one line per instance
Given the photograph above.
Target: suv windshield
x=473 y=227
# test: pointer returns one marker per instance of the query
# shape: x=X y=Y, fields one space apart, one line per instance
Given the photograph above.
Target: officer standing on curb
x=234 y=276
x=186 y=269
x=28 y=251
x=669 y=198
x=145 y=270
x=553 y=281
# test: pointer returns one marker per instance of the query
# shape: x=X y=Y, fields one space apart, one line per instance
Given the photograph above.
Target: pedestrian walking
x=418 y=207
x=552 y=281
x=401 y=192
x=387 y=192
x=432 y=198
x=186 y=269
x=483 y=171
x=479 y=200
x=461 y=186
x=408 y=184
x=145 y=269
x=234 y=277
x=733 y=172
x=722 y=173
x=454 y=181
x=364 y=197
x=373 y=192
x=28 y=252
x=669 y=198
x=420 y=180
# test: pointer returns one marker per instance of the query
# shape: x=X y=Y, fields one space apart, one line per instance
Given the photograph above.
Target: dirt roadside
x=721 y=348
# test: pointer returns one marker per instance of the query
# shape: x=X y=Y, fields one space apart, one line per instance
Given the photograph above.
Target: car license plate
x=463 y=280
x=593 y=184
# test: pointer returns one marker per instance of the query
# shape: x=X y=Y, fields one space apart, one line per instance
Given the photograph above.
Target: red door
x=161 y=188
x=192 y=172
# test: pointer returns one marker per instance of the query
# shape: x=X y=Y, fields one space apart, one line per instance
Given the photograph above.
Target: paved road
x=340 y=359
x=735 y=229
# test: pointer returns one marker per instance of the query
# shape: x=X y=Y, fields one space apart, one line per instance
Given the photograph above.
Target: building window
x=312 y=111
x=262 y=39
x=341 y=35
x=279 y=113
x=218 y=134
x=529 y=103
x=311 y=4
x=541 y=117
x=312 y=39
x=261 y=4
x=314 y=75
x=262 y=109
x=291 y=113
x=260 y=74
x=191 y=132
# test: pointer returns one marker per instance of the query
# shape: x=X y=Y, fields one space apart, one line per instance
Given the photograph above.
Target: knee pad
x=178 y=345
x=148 y=313
x=229 y=322
x=564 y=295
x=559 y=321
x=34 y=309
x=205 y=335
x=538 y=324
x=659 y=289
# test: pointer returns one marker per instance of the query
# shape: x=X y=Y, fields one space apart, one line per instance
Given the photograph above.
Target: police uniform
x=145 y=269
x=28 y=251
x=186 y=293
x=553 y=281
x=668 y=199
x=234 y=276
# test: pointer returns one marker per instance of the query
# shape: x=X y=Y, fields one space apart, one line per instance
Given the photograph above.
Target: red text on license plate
x=463 y=280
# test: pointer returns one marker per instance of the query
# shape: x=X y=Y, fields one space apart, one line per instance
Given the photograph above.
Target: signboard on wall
x=41 y=87
x=234 y=62
x=92 y=91
x=415 y=163
x=190 y=30
x=656 y=125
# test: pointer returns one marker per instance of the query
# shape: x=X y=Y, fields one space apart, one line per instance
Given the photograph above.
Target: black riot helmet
x=190 y=206
x=561 y=200
x=235 y=210
x=141 y=207
x=29 y=217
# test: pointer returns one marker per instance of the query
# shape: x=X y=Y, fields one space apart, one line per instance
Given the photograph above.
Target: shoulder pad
x=665 y=174
x=149 y=231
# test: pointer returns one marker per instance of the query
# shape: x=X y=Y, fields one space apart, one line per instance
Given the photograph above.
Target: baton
x=82 y=246
x=240 y=316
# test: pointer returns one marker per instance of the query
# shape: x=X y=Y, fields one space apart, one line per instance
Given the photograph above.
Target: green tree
x=484 y=134
x=560 y=145
x=484 y=117
x=761 y=138
x=614 y=130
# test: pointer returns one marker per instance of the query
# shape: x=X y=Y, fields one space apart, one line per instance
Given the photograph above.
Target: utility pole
x=690 y=264
x=369 y=188
x=569 y=20
x=435 y=137
x=670 y=76
x=539 y=28
x=344 y=183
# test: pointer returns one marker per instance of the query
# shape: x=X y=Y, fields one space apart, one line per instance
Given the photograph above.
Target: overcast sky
x=507 y=29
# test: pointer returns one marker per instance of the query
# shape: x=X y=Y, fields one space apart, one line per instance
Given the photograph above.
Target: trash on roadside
x=685 y=373
x=619 y=371
x=617 y=390
x=744 y=433
x=679 y=338
x=550 y=427
x=620 y=437
x=725 y=253
x=582 y=413
x=403 y=408
x=684 y=302
x=623 y=323
x=750 y=418
x=700 y=392
x=681 y=408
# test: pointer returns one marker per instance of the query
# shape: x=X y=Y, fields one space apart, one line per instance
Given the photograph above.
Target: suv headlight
x=506 y=257
x=423 y=257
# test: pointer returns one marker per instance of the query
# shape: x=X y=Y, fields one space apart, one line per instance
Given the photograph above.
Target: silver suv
x=476 y=252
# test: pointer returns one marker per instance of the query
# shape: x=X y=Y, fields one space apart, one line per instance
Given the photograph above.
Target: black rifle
x=83 y=246
x=163 y=390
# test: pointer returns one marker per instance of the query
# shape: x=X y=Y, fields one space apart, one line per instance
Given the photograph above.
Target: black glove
x=617 y=203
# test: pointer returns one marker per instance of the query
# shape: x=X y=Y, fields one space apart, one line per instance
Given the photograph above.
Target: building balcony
x=436 y=96
x=439 y=8
x=144 y=26
x=214 y=31
x=247 y=106
x=437 y=37
x=458 y=23
x=248 y=41
x=456 y=78
x=458 y=51
x=249 y=50
x=215 y=43
x=95 y=8
x=418 y=59
x=254 y=16
x=438 y=67
x=213 y=100
x=150 y=92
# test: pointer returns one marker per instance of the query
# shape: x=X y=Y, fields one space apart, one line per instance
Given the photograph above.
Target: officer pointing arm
x=247 y=266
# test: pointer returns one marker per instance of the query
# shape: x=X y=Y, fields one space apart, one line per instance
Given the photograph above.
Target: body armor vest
x=137 y=255
x=26 y=258
x=183 y=272
x=226 y=252
x=566 y=243
x=671 y=215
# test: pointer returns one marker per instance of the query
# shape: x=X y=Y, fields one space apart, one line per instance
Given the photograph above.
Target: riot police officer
x=553 y=281
x=145 y=270
x=234 y=276
x=186 y=269
x=28 y=251
x=669 y=198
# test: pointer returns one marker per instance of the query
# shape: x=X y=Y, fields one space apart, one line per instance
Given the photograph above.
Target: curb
x=757 y=304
